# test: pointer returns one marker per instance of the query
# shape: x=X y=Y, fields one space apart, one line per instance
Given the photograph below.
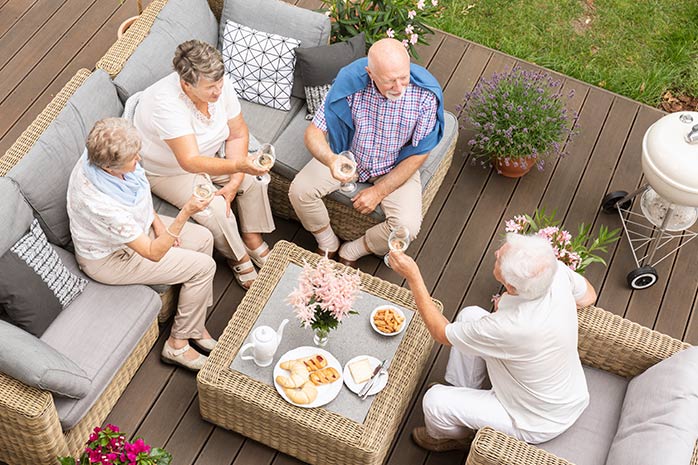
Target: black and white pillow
x=35 y=285
x=314 y=96
x=260 y=64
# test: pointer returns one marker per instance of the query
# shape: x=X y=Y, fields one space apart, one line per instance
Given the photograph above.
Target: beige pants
x=190 y=264
x=401 y=207
x=253 y=209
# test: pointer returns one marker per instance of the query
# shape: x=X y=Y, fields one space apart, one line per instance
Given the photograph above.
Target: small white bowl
x=396 y=310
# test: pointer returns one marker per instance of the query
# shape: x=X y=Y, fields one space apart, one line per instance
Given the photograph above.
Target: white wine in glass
x=398 y=241
x=203 y=190
x=346 y=165
x=264 y=158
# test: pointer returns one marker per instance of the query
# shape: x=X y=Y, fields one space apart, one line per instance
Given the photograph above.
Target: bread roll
x=325 y=376
x=306 y=394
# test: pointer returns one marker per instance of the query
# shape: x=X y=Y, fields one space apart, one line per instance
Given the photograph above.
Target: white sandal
x=244 y=273
x=256 y=254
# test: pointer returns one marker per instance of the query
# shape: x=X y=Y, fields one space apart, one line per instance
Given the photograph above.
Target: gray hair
x=528 y=265
x=112 y=142
x=195 y=59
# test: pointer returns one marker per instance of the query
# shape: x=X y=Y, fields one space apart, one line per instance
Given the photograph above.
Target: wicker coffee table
x=254 y=409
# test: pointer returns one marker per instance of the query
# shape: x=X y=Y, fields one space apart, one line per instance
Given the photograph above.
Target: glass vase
x=320 y=336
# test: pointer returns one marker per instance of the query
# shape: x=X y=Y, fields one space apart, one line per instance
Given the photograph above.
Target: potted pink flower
x=324 y=297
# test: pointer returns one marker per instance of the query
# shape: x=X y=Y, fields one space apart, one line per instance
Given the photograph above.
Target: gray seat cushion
x=43 y=173
x=587 y=442
x=292 y=156
x=266 y=123
x=278 y=17
x=659 y=420
x=98 y=332
x=179 y=21
x=15 y=212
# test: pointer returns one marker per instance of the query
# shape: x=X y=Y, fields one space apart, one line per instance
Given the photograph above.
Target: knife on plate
x=372 y=379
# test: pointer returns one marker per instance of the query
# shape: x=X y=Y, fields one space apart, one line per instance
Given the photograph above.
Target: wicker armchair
x=607 y=342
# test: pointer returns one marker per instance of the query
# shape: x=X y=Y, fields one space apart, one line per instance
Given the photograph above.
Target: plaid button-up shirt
x=383 y=128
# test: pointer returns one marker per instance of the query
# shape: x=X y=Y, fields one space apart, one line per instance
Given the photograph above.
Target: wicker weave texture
x=117 y=55
x=347 y=223
x=490 y=447
x=239 y=403
x=29 y=137
x=169 y=303
x=30 y=432
x=216 y=7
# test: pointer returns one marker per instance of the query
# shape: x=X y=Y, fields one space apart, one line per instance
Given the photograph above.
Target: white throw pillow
x=260 y=64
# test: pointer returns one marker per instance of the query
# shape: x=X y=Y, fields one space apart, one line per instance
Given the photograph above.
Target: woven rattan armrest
x=617 y=345
x=490 y=447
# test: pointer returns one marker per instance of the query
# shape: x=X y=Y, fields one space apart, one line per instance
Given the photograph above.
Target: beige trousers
x=189 y=264
x=253 y=208
x=401 y=207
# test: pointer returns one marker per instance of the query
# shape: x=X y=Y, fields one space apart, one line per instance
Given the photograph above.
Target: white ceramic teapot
x=264 y=343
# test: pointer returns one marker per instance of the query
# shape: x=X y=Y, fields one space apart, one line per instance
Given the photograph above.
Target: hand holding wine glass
x=398 y=241
x=204 y=190
x=264 y=159
x=344 y=169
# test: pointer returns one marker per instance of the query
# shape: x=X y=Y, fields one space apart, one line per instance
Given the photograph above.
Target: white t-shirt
x=530 y=347
x=165 y=112
x=99 y=224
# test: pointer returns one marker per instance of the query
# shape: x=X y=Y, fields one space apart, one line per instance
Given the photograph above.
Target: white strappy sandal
x=244 y=273
x=259 y=255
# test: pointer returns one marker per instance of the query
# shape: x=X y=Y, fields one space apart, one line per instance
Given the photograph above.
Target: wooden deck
x=44 y=42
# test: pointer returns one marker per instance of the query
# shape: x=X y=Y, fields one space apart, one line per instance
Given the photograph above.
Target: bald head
x=389 y=67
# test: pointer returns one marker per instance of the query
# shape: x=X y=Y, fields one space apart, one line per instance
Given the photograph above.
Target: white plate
x=396 y=310
x=325 y=392
x=356 y=388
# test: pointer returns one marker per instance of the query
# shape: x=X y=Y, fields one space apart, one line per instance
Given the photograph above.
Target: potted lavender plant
x=520 y=120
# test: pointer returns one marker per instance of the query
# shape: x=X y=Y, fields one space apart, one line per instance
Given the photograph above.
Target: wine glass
x=264 y=158
x=204 y=190
x=346 y=164
x=398 y=241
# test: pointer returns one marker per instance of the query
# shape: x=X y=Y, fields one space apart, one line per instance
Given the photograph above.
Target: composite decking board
x=675 y=311
x=426 y=52
x=221 y=448
x=41 y=47
x=254 y=453
x=190 y=436
x=11 y=12
x=48 y=77
x=447 y=56
x=691 y=334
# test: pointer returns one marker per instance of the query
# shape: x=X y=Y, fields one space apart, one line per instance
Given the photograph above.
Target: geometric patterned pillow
x=260 y=64
x=35 y=285
x=314 y=96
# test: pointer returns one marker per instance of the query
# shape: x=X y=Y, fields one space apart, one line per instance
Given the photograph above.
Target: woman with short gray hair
x=184 y=119
x=119 y=239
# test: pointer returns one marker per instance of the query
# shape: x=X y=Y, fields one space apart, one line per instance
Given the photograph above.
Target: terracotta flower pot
x=123 y=27
x=523 y=166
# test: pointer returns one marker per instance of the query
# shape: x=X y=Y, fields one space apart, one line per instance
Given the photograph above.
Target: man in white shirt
x=528 y=347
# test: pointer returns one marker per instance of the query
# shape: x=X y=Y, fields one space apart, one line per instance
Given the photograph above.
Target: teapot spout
x=280 y=331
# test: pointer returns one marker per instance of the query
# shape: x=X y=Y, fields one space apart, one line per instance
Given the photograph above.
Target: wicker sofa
x=607 y=342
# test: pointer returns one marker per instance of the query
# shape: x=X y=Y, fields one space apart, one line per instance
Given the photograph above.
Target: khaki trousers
x=189 y=264
x=253 y=208
x=401 y=207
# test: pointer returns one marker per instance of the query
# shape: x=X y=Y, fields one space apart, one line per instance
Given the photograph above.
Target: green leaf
x=66 y=460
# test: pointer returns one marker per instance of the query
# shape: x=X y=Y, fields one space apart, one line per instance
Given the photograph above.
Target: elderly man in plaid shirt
x=389 y=113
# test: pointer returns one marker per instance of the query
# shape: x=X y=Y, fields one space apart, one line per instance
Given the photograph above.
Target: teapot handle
x=249 y=345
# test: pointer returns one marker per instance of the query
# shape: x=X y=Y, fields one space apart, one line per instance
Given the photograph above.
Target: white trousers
x=451 y=411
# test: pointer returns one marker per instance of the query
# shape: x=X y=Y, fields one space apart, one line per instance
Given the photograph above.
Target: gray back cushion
x=659 y=421
x=43 y=173
x=16 y=214
x=35 y=363
x=292 y=156
x=266 y=123
x=179 y=21
x=110 y=322
x=588 y=440
x=278 y=17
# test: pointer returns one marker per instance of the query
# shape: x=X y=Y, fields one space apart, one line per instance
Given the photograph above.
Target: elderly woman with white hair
x=528 y=347
x=119 y=239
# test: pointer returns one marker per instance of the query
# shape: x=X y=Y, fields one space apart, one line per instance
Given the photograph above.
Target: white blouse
x=99 y=224
x=165 y=112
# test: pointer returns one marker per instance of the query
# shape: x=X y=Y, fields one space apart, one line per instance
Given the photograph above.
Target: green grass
x=637 y=48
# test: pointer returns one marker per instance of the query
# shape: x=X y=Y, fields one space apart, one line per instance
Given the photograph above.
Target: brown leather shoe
x=423 y=440
x=351 y=263
x=330 y=255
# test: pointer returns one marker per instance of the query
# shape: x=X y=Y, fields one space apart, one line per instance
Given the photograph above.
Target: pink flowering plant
x=575 y=252
x=518 y=115
x=324 y=296
x=405 y=20
x=108 y=446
